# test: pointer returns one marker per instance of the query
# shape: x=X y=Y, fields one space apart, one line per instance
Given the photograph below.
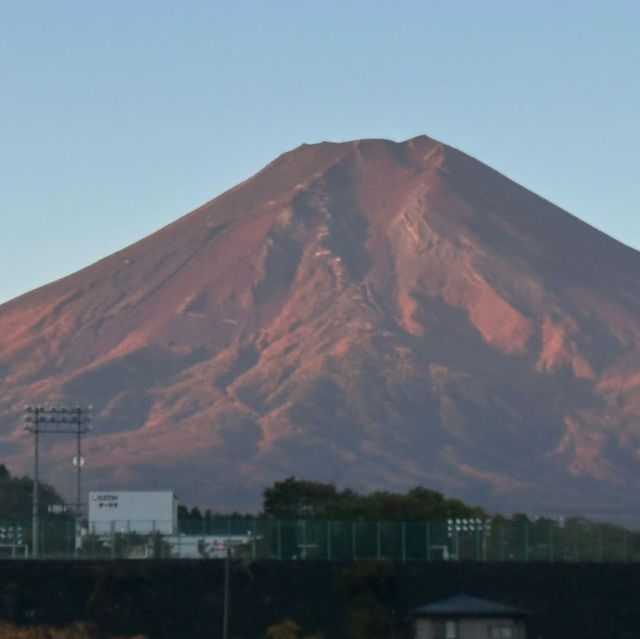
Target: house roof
x=465 y=605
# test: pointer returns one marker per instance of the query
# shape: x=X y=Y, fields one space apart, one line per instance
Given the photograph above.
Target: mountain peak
x=375 y=313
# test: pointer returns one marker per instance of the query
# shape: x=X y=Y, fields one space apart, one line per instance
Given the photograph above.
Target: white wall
x=132 y=511
x=471 y=628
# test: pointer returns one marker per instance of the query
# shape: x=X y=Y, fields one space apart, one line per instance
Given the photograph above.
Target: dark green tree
x=298 y=499
x=369 y=590
x=16 y=494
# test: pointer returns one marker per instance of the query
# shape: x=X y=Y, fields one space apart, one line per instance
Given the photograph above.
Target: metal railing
x=311 y=539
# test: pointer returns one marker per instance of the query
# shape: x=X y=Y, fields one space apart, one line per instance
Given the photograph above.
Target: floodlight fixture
x=461 y=524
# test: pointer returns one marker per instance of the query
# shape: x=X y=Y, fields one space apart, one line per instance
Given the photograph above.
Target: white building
x=131 y=511
x=465 y=617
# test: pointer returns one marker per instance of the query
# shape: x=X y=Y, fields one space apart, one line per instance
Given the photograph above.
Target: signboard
x=129 y=511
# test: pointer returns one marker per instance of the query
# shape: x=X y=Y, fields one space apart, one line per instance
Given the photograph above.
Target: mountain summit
x=372 y=313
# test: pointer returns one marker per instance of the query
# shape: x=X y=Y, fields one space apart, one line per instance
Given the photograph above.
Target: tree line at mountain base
x=333 y=524
x=294 y=498
x=289 y=499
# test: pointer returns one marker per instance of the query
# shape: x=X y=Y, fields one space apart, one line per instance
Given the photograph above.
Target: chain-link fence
x=311 y=539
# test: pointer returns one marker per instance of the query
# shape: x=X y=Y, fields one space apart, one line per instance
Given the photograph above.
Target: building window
x=447 y=629
x=502 y=631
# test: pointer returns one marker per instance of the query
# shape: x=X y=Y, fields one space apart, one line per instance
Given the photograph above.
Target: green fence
x=310 y=539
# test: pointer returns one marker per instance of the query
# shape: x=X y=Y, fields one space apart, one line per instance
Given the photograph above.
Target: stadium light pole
x=54 y=419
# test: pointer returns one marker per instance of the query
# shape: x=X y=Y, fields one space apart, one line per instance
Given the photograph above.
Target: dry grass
x=77 y=630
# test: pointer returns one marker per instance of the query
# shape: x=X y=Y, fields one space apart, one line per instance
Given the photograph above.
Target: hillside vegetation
x=16 y=497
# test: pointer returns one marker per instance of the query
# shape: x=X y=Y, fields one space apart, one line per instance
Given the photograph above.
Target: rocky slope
x=370 y=313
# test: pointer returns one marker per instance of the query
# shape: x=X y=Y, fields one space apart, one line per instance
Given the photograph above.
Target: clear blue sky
x=118 y=117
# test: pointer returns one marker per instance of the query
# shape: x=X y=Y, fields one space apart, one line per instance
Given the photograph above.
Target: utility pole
x=35 y=523
x=227 y=574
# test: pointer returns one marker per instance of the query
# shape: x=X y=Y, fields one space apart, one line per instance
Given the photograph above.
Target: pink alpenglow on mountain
x=371 y=313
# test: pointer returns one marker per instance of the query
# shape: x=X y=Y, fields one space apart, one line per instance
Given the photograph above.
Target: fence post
x=403 y=532
x=279 y=538
x=378 y=540
x=354 y=554
x=328 y=541
x=303 y=546
x=253 y=538
x=600 y=553
x=427 y=540
x=625 y=546
x=502 y=541
x=551 y=553
x=526 y=541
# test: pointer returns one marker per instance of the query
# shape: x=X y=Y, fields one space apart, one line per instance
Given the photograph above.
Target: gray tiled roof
x=466 y=605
